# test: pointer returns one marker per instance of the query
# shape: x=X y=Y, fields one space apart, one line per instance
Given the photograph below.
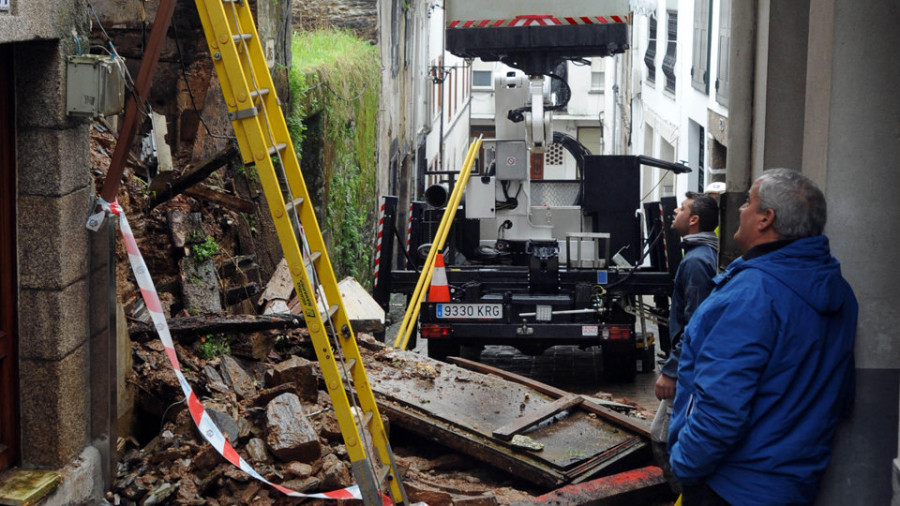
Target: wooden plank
x=646 y=485
x=617 y=418
x=195 y=175
x=519 y=424
x=189 y=328
x=279 y=287
x=360 y=306
x=478 y=446
x=141 y=90
x=223 y=199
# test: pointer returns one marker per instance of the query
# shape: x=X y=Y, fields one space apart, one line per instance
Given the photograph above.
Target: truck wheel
x=440 y=349
x=618 y=366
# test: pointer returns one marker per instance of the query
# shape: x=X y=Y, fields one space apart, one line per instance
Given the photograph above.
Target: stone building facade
x=59 y=367
x=62 y=346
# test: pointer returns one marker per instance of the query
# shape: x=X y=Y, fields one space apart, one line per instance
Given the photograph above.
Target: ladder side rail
x=219 y=41
x=289 y=242
x=257 y=138
x=278 y=129
x=307 y=217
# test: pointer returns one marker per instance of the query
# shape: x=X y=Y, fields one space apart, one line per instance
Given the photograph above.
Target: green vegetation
x=213 y=345
x=203 y=251
x=335 y=89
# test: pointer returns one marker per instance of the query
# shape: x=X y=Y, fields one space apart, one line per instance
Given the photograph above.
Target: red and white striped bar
x=536 y=20
x=379 y=232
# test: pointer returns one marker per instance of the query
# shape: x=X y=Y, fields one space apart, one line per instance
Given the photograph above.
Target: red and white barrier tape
x=204 y=423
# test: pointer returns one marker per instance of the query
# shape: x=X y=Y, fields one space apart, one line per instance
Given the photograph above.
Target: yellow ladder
x=263 y=138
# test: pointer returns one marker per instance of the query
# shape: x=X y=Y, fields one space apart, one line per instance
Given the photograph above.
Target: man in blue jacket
x=767 y=360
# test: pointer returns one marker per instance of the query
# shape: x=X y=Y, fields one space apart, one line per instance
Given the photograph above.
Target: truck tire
x=618 y=366
x=440 y=349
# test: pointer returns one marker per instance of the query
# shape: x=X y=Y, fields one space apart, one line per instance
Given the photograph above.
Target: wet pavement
x=566 y=367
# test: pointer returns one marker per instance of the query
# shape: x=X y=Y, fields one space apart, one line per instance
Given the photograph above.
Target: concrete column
x=54 y=194
x=742 y=58
x=856 y=138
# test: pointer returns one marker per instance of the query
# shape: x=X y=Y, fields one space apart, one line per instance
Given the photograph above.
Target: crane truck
x=534 y=262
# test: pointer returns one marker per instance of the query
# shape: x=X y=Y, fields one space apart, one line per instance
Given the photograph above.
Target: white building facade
x=679 y=58
x=423 y=120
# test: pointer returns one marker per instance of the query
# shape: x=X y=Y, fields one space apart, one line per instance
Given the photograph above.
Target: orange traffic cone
x=439 y=291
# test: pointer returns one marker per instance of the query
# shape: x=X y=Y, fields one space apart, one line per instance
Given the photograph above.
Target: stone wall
x=359 y=16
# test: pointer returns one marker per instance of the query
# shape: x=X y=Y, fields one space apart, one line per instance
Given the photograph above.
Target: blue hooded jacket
x=766 y=370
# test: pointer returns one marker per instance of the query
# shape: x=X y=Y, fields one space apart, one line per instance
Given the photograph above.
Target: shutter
x=700 y=59
x=650 y=55
x=668 y=65
x=724 y=48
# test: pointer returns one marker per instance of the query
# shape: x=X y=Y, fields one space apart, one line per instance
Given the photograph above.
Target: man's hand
x=665 y=387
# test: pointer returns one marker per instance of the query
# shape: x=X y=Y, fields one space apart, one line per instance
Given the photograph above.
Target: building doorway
x=9 y=447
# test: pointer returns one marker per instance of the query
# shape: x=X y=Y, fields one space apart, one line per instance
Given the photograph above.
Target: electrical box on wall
x=511 y=161
x=95 y=85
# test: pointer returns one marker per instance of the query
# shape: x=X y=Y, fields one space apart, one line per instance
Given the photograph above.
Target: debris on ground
x=255 y=373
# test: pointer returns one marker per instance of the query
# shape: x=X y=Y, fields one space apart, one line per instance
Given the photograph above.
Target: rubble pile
x=278 y=417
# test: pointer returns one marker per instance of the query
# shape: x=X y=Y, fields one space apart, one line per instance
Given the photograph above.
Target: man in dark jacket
x=695 y=221
x=767 y=360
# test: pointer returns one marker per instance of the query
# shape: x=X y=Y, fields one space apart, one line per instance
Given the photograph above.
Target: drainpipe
x=742 y=78
x=615 y=105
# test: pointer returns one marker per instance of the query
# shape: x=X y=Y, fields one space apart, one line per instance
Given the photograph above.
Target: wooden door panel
x=8 y=368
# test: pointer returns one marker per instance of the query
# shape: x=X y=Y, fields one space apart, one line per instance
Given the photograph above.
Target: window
x=668 y=65
x=700 y=59
x=395 y=38
x=598 y=75
x=650 y=55
x=482 y=79
x=591 y=138
x=724 y=45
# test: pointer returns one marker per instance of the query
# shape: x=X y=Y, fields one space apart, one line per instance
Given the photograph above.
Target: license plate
x=470 y=311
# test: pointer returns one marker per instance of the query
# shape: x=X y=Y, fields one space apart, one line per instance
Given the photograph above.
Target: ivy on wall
x=334 y=83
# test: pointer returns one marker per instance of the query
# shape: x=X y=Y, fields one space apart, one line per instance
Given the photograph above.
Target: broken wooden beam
x=639 y=486
x=615 y=417
x=519 y=424
x=189 y=328
x=195 y=175
x=223 y=199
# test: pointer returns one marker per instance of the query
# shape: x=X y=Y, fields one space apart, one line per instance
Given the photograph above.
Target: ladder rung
x=367 y=418
x=276 y=148
x=333 y=309
x=242 y=36
x=313 y=257
x=243 y=114
x=256 y=93
x=294 y=203
x=350 y=363
x=383 y=473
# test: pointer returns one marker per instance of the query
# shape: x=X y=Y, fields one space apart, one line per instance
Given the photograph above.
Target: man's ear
x=767 y=219
x=694 y=220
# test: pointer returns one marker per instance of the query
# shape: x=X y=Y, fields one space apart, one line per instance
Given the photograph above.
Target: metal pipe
x=412 y=311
